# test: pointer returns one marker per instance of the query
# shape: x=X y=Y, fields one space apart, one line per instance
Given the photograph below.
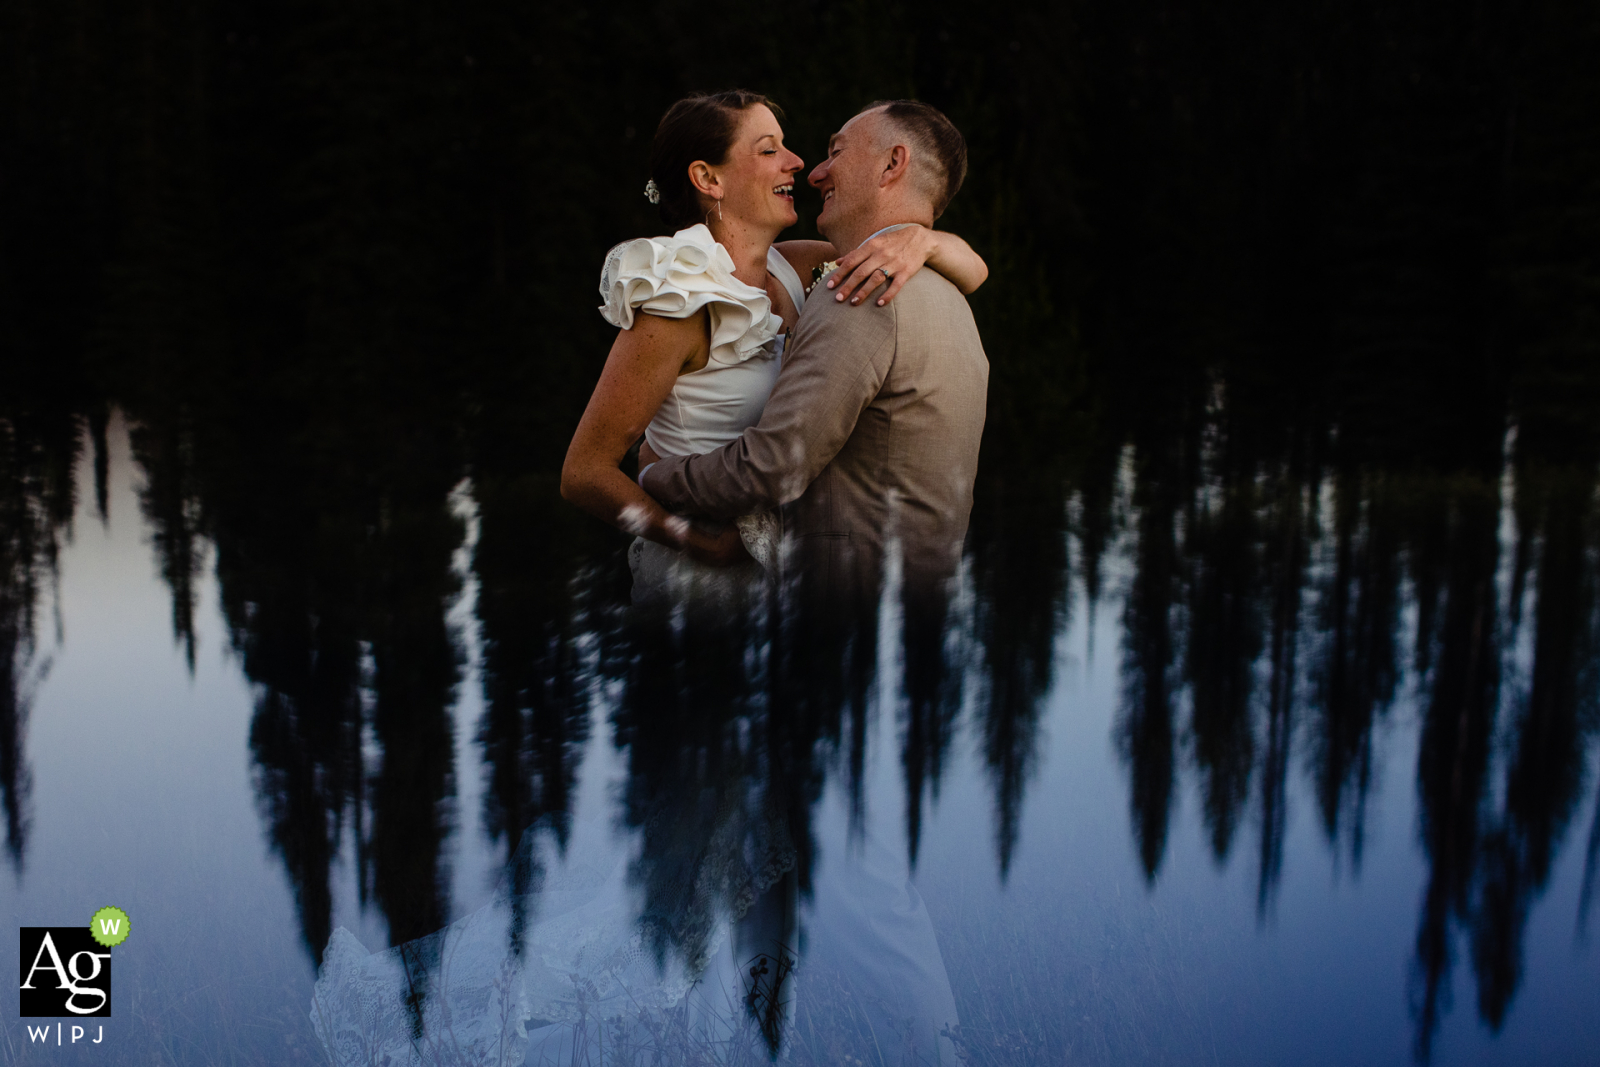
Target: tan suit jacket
x=871 y=434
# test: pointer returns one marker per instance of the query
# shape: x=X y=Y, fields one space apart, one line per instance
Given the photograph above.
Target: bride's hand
x=722 y=549
x=898 y=254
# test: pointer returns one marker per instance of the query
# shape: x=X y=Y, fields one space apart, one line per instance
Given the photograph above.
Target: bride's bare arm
x=638 y=375
x=805 y=256
x=899 y=254
x=956 y=260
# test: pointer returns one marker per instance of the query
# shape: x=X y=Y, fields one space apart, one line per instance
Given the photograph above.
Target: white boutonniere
x=819 y=273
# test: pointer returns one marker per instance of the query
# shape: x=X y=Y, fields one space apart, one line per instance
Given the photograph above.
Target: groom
x=870 y=436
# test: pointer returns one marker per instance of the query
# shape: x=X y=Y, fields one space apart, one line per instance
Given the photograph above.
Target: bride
x=702 y=318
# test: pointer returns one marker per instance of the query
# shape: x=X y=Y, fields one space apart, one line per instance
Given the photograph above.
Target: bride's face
x=757 y=179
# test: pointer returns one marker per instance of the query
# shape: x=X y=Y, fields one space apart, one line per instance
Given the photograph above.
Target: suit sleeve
x=837 y=362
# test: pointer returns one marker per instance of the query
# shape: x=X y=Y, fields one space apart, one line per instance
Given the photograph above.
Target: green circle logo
x=109 y=926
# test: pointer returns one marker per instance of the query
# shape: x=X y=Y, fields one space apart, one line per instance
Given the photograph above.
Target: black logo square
x=66 y=974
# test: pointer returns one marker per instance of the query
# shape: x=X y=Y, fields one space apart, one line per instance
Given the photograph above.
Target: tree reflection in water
x=1358 y=618
x=1020 y=578
x=38 y=451
x=544 y=625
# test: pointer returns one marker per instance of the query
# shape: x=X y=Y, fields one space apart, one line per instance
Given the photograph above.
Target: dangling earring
x=719 y=213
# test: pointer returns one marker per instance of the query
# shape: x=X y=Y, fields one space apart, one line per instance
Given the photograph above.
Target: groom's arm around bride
x=871 y=432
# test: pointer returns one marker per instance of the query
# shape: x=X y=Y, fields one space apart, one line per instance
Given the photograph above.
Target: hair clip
x=651 y=193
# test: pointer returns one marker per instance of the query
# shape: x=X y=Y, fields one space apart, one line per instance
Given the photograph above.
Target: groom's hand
x=724 y=548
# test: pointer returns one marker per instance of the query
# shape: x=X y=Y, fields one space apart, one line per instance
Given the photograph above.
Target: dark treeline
x=1337 y=301
x=1289 y=308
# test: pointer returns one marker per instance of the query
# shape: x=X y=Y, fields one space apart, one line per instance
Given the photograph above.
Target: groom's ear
x=896 y=167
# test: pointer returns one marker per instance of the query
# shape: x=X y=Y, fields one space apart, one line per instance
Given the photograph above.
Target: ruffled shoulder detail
x=677 y=276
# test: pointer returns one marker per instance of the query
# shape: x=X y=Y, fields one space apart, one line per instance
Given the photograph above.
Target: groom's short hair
x=939 y=152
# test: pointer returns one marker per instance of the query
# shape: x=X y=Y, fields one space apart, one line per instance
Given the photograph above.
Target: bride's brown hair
x=701 y=126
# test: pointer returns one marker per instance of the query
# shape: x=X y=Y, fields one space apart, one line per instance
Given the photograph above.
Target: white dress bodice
x=676 y=277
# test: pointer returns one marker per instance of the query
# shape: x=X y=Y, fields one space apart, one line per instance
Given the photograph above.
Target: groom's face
x=848 y=177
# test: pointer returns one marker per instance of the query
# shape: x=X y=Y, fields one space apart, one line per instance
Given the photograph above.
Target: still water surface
x=144 y=787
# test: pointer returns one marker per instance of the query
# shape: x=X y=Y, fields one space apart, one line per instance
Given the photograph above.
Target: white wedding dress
x=465 y=996
x=676 y=277
x=584 y=987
